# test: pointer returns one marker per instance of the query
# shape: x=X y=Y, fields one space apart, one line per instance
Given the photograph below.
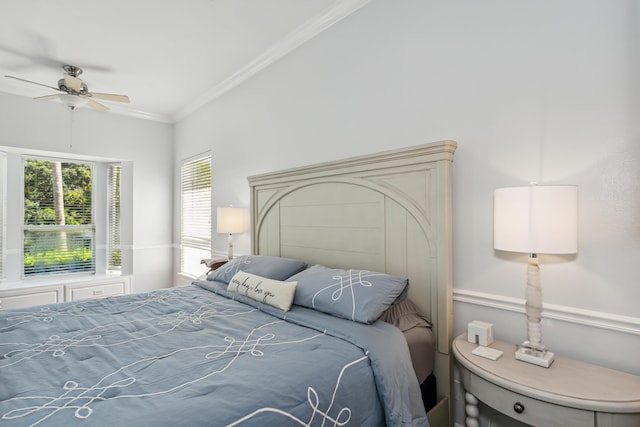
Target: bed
x=388 y=212
x=262 y=341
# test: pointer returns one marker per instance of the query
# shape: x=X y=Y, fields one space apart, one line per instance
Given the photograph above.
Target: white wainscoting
x=597 y=319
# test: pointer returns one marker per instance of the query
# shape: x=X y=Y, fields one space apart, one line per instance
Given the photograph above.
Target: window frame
x=26 y=228
x=13 y=204
x=204 y=241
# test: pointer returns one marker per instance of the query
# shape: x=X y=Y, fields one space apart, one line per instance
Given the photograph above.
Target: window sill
x=55 y=280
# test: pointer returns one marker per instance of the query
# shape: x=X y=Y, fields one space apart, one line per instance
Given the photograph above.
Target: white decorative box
x=480 y=332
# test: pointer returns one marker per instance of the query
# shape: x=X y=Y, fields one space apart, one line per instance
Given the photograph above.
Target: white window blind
x=195 y=241
x=114 y=250
x=58 y=231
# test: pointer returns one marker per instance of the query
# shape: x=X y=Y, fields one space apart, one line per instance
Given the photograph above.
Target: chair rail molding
x=591 y=318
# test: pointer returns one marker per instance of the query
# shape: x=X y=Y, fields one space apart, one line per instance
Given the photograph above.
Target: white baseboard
x=596 y=319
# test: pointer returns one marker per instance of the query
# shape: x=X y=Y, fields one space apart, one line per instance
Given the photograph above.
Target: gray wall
x=545 y=91
x=146 y=145
x=532 y=91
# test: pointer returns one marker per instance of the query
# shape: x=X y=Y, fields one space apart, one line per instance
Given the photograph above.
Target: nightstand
x=568 y=393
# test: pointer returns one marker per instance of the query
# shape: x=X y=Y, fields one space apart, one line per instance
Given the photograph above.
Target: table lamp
x=230 y=221
x=535 y=220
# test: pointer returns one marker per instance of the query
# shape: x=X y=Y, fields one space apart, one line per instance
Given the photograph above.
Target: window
x=58 y=231
x=85 y=236
x=195 y=230
x=114 y=250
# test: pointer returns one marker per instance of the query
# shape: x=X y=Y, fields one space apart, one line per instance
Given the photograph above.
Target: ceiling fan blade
x=47 y=97
x=73 y=82
x=30 y=82
x=96 y=105
x=110 y=97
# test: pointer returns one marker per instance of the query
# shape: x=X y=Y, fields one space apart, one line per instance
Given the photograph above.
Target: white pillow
x=273 y=292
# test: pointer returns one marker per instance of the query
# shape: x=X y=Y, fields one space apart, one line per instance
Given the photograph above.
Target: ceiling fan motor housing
x=72 y=70
x=62 y=85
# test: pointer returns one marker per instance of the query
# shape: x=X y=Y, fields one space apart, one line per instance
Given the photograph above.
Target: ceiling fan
x=75 y=92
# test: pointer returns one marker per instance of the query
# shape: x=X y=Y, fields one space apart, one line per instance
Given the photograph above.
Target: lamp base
x=538 y=356
x=230 y=246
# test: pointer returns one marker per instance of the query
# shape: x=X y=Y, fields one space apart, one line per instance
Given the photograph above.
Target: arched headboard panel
x=388 y=212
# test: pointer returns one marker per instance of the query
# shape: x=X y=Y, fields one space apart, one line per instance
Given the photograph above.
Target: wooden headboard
x=388 y=212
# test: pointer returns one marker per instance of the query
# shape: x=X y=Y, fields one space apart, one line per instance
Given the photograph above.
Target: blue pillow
x=357 y=295
x=271 y=267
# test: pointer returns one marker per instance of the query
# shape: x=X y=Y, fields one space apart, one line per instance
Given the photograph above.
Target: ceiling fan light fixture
x=75 y=93
x=72 y=101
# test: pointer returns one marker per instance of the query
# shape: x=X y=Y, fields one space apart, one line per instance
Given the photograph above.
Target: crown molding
x=139 y=114
x=595 y=319
x=314 y=26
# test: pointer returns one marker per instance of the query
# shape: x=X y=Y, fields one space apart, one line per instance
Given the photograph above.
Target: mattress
x=418 y=333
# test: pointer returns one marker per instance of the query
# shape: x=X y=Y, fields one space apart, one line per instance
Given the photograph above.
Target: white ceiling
x=169 y=56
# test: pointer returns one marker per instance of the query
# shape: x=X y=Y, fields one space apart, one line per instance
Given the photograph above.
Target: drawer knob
x=518 y=407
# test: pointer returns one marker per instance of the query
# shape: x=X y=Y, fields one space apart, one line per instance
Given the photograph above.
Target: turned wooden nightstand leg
x=472 y=411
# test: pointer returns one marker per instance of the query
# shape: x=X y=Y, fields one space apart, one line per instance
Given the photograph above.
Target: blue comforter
x=192 y=356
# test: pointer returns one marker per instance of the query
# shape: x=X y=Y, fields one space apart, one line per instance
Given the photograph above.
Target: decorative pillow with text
x=273 y=292
x=270 y=267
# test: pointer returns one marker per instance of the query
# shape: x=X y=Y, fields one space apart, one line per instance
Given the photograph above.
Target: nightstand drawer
x=76 y=293
x=535 y=412
x=617 y=420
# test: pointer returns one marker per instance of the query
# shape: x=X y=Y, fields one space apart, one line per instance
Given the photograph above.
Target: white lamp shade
x=536 y=219
x=230 y=220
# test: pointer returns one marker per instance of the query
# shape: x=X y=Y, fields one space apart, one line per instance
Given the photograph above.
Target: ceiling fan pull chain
x=71 y=127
